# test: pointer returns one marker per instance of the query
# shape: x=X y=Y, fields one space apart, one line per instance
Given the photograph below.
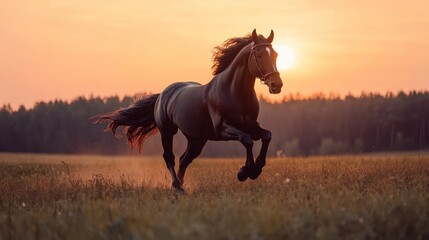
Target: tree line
x=316 y=125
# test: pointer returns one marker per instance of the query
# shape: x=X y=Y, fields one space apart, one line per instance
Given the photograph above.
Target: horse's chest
x=237 y=111
x=247 y=120
x=245 y=116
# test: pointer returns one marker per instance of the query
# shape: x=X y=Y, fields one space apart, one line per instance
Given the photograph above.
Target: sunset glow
x=64 y=49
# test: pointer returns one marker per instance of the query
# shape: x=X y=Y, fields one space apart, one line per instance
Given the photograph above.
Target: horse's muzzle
x=275 y=86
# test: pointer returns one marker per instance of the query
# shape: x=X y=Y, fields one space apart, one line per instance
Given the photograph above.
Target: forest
x=316 y=125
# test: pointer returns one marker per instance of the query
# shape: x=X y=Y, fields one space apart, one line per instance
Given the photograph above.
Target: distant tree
x=320 y=124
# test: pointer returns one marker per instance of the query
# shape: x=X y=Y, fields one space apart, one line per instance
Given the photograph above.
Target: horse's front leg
x=230 y=132
x=265 y=136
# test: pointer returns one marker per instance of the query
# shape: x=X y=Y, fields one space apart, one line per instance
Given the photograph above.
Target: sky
x=65 y=49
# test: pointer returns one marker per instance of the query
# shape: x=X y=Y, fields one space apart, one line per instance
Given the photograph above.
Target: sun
x=285 y=58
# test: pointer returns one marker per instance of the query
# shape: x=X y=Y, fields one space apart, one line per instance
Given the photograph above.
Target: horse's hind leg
x=193 y=150
x=167 y=145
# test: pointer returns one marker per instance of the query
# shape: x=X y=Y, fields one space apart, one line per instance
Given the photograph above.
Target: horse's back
x=183 y=105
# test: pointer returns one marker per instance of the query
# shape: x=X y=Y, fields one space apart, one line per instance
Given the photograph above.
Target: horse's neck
x=237 y=77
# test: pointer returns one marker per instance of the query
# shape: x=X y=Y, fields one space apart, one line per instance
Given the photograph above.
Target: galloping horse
x=224 y=109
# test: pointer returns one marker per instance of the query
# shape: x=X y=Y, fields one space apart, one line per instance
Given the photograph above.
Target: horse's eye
x=259 y=56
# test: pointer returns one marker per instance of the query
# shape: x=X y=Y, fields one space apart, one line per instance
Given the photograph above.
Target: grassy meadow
x=382 y=196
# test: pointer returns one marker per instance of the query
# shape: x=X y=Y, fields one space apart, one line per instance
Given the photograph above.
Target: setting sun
x=286 y=57
x=66 y=49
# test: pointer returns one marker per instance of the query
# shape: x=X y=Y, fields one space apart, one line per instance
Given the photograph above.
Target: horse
x=224 y=109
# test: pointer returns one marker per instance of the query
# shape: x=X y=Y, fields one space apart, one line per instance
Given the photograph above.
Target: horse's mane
x=225 y=53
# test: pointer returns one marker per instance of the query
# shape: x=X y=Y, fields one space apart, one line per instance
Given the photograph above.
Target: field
x=93 y=197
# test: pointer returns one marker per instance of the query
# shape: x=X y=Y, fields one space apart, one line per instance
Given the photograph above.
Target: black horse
x=224 y=109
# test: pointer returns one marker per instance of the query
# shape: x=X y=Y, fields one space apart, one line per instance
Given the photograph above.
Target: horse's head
x=262 y=62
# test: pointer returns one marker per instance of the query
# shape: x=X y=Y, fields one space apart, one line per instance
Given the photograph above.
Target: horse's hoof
x=243 y=174
x=254 y=174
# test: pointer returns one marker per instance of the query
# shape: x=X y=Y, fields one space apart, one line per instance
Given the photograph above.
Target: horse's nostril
x=273 y=85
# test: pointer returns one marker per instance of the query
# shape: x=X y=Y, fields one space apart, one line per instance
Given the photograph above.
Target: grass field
x=92 y=197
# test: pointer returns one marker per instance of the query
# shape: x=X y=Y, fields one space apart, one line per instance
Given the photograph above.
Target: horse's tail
x=138 y=120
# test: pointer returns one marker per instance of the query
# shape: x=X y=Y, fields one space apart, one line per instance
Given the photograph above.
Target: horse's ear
x=271 y=37
x=254 y=36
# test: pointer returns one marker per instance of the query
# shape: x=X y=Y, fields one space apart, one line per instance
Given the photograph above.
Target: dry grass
x=90 y=197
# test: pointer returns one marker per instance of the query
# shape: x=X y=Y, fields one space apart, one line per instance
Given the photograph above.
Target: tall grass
x=90 y=197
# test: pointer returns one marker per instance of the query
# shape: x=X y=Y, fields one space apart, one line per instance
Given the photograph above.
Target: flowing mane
x=225 y=53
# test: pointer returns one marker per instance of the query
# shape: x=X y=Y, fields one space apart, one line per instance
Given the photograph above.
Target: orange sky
x=64 y=49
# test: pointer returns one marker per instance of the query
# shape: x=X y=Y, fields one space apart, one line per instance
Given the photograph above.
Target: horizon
x=65 y=49
x=295 y=96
